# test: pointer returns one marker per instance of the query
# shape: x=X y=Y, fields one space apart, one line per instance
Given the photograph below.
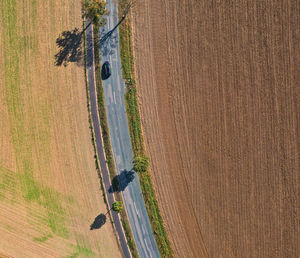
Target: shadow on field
x=120 y=182
x=99 y=221
x=69 y=45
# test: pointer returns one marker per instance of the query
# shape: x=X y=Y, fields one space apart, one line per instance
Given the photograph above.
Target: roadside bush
x=117 y=206
x=140 y=164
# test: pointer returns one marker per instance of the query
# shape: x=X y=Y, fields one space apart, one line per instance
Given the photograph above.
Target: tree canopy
x=95 y=10
x=140 y=164
x=117 y=206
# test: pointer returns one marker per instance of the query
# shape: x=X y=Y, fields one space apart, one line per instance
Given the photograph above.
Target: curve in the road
x=98 y=138
x=120 y=139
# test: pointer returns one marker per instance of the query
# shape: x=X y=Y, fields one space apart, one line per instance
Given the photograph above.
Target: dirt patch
x=219 y=97
x=49 y=188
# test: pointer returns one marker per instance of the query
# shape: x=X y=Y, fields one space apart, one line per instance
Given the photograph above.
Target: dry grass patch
x=50 y=190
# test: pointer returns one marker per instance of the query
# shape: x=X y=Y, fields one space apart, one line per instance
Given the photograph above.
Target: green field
x=49 y=187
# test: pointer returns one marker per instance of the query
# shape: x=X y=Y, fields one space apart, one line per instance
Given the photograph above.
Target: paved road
x=98 y=138
x=120 y=139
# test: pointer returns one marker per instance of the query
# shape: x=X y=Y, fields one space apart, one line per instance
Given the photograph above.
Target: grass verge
x=131 y=100
x=107 y=144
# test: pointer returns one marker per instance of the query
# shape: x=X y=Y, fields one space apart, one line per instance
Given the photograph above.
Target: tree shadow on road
x=120 y=182
x=107 y=46
x=69 y=45
x=109 y=39
x=99 y=221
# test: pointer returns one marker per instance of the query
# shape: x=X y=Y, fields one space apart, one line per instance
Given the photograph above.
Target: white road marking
x=115 y=97
x=136 y=210
x=109 y=89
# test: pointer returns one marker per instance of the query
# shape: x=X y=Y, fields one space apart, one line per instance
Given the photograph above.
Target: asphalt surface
x=120 y=139
x=98 y=138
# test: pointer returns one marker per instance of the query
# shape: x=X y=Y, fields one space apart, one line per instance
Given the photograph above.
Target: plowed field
x=220 y=101
x=49 y=188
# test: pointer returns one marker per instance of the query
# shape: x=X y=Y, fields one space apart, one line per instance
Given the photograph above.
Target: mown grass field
x=49 y=188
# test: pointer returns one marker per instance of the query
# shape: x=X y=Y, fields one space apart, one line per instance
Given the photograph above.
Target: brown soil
x=220 y=100
x=49 y=188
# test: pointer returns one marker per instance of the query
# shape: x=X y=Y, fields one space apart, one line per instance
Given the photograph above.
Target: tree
x=95 y=10
x=117 y=206
x=140 y=164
